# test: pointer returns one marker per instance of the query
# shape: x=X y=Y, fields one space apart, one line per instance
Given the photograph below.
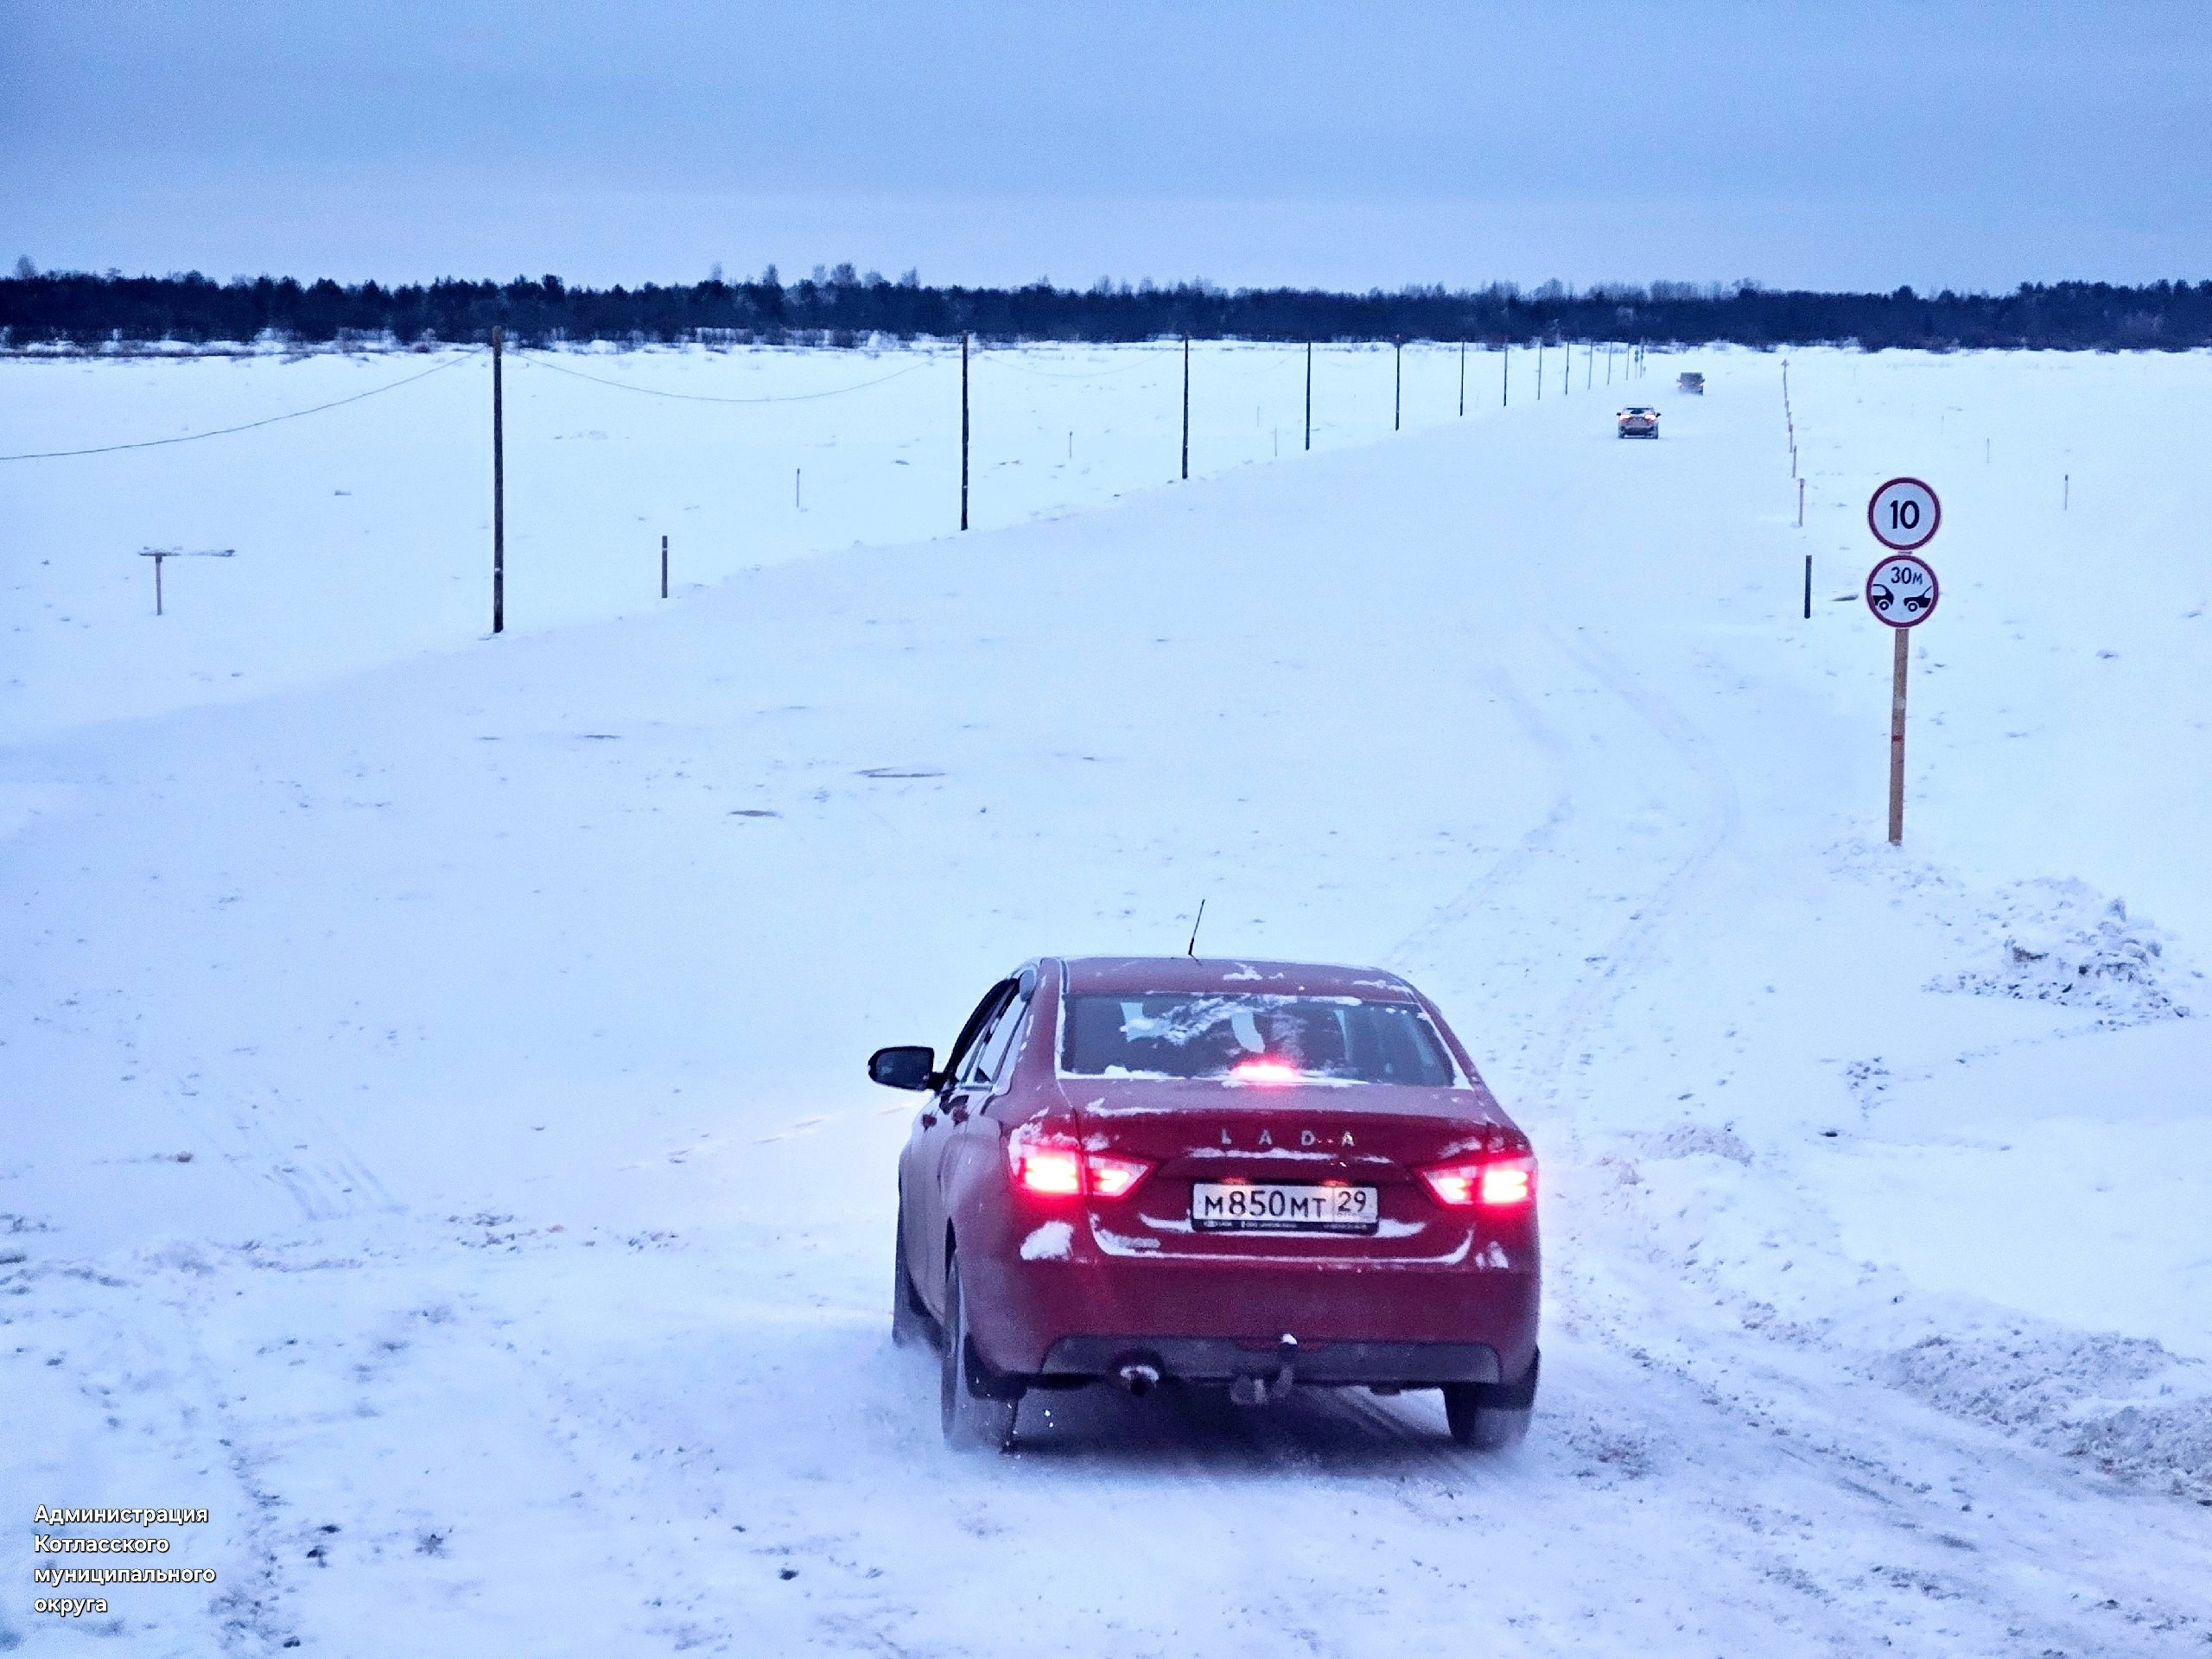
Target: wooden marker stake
x=964 y=430
x=663 y=567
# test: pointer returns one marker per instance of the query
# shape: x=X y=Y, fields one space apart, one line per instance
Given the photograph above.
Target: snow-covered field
x=435 y=1138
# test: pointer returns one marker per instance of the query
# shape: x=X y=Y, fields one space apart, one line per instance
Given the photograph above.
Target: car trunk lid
x=1225 y=1134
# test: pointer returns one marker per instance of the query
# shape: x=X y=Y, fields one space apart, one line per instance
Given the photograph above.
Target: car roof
x=1169 y=973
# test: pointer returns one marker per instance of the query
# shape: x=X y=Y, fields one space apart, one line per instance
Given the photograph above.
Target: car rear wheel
x=909 y=1321
x=1490 y=1416
x=972 y=1414
x=1486 y=1428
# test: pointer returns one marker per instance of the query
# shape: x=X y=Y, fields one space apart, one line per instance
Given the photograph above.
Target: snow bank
x=2062 y=942
x=2126 y=1404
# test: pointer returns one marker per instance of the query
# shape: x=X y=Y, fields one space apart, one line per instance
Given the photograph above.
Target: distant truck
x=1689 y=380
x=1637 y=422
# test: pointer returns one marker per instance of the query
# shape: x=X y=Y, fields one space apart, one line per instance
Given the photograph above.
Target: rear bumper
x=1368 y=1322
x=1216 y=1359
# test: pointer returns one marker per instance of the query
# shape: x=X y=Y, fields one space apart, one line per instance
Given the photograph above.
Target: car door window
x=995 y=1053
x=962 y=1059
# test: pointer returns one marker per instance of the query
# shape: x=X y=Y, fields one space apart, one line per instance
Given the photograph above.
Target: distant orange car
x=1639 y=422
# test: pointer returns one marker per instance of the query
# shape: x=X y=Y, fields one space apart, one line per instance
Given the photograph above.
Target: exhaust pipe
x=1138 y=1378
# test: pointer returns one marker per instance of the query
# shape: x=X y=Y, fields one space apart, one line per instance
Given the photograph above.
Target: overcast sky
x=1376 y=143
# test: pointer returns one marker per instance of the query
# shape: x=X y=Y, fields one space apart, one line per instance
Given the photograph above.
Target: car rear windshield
x=1256 y=1038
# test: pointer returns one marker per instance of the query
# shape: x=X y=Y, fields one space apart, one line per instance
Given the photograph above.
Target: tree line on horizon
x=839 y=307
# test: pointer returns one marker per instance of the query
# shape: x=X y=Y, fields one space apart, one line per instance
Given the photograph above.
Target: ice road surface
x=435 y=1138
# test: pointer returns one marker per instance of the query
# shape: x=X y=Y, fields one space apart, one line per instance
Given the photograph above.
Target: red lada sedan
x=1252 y=1174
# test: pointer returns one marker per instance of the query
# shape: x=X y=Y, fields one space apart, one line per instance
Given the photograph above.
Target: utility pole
x=963 y=429
x=499 y=495
x=158 y=553
x=1186 y=408
x=1309 y=394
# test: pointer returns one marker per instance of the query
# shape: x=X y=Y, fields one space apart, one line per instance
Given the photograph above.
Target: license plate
x=1268 y=1207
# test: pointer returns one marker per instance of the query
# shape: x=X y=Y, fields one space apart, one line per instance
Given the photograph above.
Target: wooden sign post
x=1901 y=591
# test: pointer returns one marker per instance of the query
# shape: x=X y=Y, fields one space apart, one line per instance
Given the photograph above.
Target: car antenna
x=1192 y=949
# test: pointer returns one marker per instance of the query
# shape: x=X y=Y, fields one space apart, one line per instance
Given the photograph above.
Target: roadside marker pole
x=1801 y=503
x=663 y=567
x=1808 y=587
x=1186 y=408
x=1398 y=385
x=963 y=429
x=1309 y=394
x=1463 y=379
x=499 y=495
x=1505 y=374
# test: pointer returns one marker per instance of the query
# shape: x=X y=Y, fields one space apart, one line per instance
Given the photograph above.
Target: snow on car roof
x=1211 y=974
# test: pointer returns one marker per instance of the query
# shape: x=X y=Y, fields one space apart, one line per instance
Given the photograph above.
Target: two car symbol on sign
x=1901 y=592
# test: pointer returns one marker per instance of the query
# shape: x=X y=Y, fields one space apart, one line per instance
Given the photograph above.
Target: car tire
x=1491 y=1417
x=973 y=1416
x=1484 y=1427
x=910 y=1320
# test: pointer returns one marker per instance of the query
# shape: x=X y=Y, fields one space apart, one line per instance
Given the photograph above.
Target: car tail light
x=1112 y=1177
x=1053 y=1164
x=1491 y=1183
x=1046 y=1163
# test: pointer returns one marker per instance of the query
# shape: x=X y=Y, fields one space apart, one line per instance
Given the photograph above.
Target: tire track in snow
x=1631 y=948
x=1419 y=945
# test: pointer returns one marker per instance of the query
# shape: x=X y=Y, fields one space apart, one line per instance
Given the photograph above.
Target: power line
x=270 y=420
x=1005 y=359
x=702 y=398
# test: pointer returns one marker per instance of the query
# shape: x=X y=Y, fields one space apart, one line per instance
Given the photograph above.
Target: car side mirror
x=903 y=1068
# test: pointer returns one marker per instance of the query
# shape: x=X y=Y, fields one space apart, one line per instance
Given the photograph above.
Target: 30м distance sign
x=1902 y=591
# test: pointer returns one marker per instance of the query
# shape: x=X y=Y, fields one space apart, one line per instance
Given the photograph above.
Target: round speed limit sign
x=1902 y=591
x=1903 y=515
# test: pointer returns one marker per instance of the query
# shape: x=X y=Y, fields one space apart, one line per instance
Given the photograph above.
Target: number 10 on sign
x=1901 y=591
